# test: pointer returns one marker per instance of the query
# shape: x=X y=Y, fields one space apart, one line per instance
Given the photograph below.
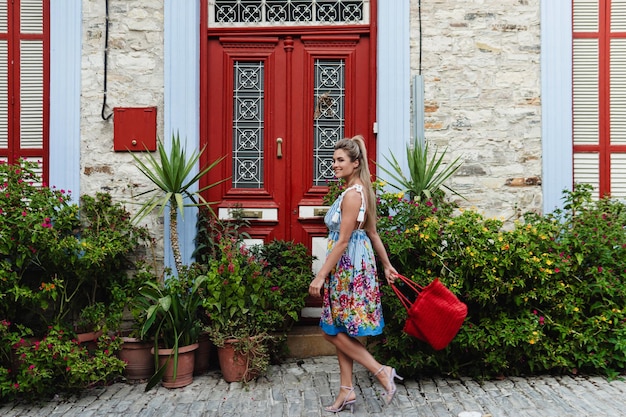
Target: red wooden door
x=276 y=105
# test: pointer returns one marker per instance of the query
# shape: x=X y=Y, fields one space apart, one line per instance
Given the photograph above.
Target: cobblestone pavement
x=301 y=387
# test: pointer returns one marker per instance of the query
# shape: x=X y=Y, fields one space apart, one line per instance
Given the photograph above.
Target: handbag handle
x=412 y=285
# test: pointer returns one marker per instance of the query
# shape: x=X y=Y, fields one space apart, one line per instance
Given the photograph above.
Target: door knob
x=279 y=148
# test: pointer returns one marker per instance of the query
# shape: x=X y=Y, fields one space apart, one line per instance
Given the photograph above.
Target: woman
x=351 y=296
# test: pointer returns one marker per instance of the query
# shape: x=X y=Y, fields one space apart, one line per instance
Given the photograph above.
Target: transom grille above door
x=232 y=13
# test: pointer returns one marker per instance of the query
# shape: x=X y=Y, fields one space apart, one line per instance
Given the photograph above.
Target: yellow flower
x=576 y=309
x=531 y=341
x=400 y=195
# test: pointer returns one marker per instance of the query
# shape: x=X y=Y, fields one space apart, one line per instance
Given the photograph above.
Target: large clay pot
x=203 y=353
x=138 y=357
x=186 y=360
x=234 y=365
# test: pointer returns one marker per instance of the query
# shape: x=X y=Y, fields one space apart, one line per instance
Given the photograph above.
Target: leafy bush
x=546 y=295
x=62 y=267
x=55 y=363
x=61 y=264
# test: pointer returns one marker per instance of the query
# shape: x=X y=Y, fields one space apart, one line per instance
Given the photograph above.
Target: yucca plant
x=171 y=175
x=426 y=178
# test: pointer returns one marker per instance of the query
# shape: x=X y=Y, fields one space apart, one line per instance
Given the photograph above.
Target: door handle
x=279 y=148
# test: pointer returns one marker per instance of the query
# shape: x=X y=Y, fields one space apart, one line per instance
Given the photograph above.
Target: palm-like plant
x=425 y=177
x=171 y=176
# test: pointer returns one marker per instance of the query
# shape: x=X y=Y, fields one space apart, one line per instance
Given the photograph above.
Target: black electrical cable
x=419 y=17
x=106 y=50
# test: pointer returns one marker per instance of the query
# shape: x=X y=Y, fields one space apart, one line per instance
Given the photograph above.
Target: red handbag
x=435 y=316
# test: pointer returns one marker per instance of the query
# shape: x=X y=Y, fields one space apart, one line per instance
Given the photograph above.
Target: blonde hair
x=355 y=149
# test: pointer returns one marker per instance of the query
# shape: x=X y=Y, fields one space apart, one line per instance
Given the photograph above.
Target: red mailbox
x=134 y=128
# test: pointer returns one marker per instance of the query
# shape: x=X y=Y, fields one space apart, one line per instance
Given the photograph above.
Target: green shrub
x=60 y=263
x=54 y=363
x=546 y=295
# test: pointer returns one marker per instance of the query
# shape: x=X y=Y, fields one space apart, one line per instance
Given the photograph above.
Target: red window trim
x=14 y=37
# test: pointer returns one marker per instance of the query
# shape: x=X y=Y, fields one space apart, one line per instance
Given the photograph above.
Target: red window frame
x=14 y=36
x=604 y=148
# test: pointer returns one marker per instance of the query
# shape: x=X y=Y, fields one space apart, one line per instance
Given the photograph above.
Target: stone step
x=308 y=341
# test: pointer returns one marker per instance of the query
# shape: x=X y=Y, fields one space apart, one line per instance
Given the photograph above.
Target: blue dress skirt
x=351 y=302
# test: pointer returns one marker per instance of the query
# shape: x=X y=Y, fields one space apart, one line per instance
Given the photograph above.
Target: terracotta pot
x=186 y=359
x=203 y=353
x=234 y=365
x=138 y=357
x=89 y=339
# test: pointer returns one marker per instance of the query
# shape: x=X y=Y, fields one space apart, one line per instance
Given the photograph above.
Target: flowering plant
x=335 y=188
x=61 y=261
x=544 y=293
x=235 y=299
x=32 y=367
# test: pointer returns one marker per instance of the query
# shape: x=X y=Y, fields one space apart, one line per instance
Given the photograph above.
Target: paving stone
x=301 y=388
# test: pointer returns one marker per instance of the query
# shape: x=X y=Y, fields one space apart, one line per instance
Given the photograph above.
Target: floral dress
x=351 y=302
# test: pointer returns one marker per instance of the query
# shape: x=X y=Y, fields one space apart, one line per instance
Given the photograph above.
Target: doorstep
x=308 y=341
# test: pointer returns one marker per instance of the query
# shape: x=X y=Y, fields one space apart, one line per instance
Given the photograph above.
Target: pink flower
x=541 y=320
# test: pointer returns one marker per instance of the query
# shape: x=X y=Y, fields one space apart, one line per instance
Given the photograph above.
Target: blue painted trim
x=556 y=101
x=65 y=78
x=393 y=81
x=182 y=100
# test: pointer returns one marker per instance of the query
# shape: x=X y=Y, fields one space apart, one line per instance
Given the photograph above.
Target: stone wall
x=480 y=62
x=481 y=69
x=134 y=77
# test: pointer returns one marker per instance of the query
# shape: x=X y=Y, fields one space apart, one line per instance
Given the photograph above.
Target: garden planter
x=234 y=365
x=203 y=353
x=89 y=339
x=138 y=357
x=186 y=359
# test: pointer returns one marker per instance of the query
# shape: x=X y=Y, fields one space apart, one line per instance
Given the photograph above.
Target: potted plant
x=172 y=180
x=287 y=267
x=172 y=177
x=235 y=303
x=171 y=318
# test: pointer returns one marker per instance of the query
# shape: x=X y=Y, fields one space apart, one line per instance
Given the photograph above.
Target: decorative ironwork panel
x=281 y=12
x=248 y=124
x=329 y=116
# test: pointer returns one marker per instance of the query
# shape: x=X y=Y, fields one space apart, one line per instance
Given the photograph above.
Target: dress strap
x=361 y=216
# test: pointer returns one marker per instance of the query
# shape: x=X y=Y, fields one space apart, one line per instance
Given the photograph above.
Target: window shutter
x=4 y=76
x=618 y=175
x=599 y=95
x=585 y=94
x=4 y=95
x=31 y=95
x=587 y=169
x=618 y=91
x=31 y=75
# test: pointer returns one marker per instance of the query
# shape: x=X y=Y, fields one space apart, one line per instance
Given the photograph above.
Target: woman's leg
x=346 y=391
x=354 y=350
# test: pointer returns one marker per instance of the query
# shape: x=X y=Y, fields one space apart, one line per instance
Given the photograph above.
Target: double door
x=276 y=105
